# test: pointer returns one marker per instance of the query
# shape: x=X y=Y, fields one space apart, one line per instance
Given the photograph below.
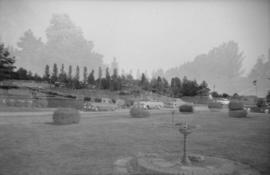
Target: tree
x=115 y=81
x=46 y=75
x=215 y=94
x=261 y=74
x=55 y=73
x=6 y=63
x=84 y=74
x=144 y=83
x=22 y=74
x=165 y=86
x=63 y=76
x=69 y=72
x=268 y=97
x=30 y=50
x=203 y=89
x=114 y=65
x=77 y=76
x=225 y=95
x=30 y=75
x=176 y=87
x=189 y=88
x=221 y=66
x=107 y=84
x=65 y=41
x=36 y=77
x=99 y=76
x=91 y=78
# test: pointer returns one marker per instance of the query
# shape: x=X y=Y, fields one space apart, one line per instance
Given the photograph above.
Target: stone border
x=153 y=164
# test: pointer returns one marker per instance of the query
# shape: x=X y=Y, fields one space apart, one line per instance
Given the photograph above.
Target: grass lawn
x=30 y=145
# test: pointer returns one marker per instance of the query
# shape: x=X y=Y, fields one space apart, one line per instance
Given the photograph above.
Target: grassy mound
x=186 y=108
x=65 y=116
x=139 y=112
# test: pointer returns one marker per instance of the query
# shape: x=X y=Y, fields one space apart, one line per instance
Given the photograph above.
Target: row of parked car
x=109 y=105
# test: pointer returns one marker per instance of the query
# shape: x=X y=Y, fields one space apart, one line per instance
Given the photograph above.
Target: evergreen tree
x=268 y=97
x=6 y=64
x=99 y=76
x=108 y=80
x=116 y=81
x=84 y=74
x=55 y=73
x=144 y=83
x=69 y=72
x=176 y=87
x=91 y=78
x=63 y=76
x=46 y=75
x=77 y=76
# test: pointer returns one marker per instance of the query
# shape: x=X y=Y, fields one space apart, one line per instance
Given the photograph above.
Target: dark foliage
x=186 y=108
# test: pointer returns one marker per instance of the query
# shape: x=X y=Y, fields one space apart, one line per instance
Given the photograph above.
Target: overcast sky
x=149 y=34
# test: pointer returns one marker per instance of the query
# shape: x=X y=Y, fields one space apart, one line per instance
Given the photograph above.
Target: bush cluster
x=139 y=112
x=65 y=116
x=186 y=108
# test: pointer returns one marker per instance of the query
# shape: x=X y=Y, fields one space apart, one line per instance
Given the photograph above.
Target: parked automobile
x=224 y=101
x=151 y=104
x=93 y=106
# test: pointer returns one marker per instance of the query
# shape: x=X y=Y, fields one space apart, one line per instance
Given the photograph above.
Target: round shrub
x=186 y=108
x=235 y=105
x=238 y=113
x=139 y=112
x=215 y=106
x=65 y=116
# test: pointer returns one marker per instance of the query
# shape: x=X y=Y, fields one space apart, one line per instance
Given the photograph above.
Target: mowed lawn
x=30 y=145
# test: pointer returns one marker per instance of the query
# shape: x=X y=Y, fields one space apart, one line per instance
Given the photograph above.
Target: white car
x=223 y=101
x=151 y=104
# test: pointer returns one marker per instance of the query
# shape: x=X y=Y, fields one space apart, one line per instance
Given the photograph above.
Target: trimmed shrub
x=238 y=113
x=65 y=116
x=215 y=106
x=186 y=108
x=236 y=109
x=235 y=105
x=139 y=112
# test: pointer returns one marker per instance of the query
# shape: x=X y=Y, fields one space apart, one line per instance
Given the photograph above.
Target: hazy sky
x=149 y=34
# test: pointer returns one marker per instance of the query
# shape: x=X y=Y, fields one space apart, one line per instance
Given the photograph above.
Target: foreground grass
x=30 y=145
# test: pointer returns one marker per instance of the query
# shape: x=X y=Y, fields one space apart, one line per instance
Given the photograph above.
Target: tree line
x=114 y=82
